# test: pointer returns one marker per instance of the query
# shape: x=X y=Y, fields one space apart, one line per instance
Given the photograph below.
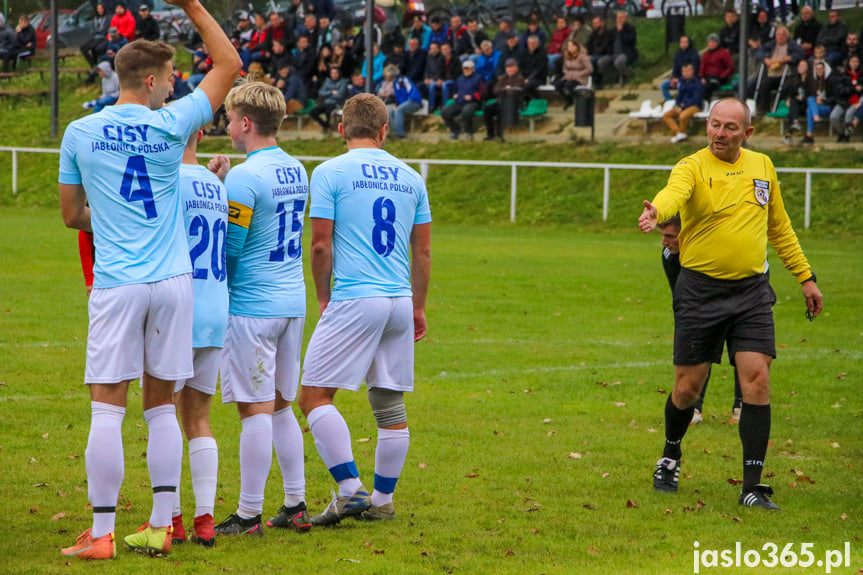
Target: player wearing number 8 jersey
x=371 y=232
x=125 y=160
x=268 y=194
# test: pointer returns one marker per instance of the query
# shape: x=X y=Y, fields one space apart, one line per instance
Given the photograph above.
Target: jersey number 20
x=200 y=228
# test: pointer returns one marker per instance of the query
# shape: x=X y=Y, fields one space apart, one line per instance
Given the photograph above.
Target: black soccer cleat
x=236 y=525
x=293 y=518
x=758 y=497
x=666 y=475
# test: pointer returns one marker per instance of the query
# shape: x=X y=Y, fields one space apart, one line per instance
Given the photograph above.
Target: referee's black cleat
x=758 y=497
x=666 y=475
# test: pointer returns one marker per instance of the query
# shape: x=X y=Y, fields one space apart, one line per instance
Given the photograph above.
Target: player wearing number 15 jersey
x=370 y=212
x=125 y=160
x=268 y=194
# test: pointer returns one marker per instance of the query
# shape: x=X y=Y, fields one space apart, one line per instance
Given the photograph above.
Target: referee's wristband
x=812 y=279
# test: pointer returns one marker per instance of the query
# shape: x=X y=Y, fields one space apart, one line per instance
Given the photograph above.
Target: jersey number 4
x=136 y=169
x=295 y=246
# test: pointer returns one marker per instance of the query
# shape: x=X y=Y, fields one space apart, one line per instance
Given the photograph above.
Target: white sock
x=390 y=455
x=204 y=465
x=164 y=460
x=288 y=441
x=105 y=464
x=178 y=510
x=256 y=458
x=333 y=440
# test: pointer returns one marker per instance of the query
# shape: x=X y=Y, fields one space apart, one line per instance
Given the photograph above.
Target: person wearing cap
x=686 y=55
x=716 y=67
x=146 y=26
x=115 y=42
x=124 y=22
x=243 y=31
x=508 y=92
x=458 y=116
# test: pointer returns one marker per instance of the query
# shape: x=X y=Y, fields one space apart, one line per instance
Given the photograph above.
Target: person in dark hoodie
x=534 y=67
x=686 y=55
x=146 y=26
x=24 y=44
x=93 y=48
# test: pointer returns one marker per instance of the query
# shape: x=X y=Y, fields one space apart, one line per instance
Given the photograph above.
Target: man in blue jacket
x=686 y=54
x=408 y=99
x=690 y=99
x=469 y=95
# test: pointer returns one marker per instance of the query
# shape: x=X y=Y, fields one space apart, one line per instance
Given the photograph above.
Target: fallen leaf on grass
x=737 y=519
x=668 y=511
x=843 y=517
x=651 y=430
x=499 y=433
x=619 y=404
x=550 y=433
x=45 y=435
x=574 y=455
x=547 y=420
x=834 y=445
x=606 y=474
x=424 y=553
x=379 y=551
x=471 y=475
x=41 y=484
x=34 y=510
x=364 y=439
x=841 y=376
x=61 y=493
x=73 y=456
x=630 y=504
x=732 y=481
x=509 y=552
x=501 y=520
x=422 y=465
x=32 y=460
x=534 y=531
x=60 y=515
x=349 y=560
x=588 y=506
x=662 y=391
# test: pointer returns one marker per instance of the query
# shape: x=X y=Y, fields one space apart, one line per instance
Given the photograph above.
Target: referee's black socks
x=754 y=434
x=676 y=424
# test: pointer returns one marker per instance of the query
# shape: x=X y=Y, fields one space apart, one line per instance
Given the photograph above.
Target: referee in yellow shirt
x=730 y=207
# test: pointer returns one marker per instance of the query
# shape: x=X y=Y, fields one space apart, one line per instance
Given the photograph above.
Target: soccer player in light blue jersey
x=371 y=233
x=205 y=213
x=125 y=160
x=268 y=195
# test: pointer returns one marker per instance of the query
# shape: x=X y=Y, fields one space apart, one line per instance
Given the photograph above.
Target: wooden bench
x=6 y=75
x=300 y=114
x=42 y=71
x=24 y=93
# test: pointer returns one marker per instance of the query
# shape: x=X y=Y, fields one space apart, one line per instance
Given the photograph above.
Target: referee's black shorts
x=709 y=312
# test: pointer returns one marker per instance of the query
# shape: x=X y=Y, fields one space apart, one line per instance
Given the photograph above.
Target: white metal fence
x=424 y=165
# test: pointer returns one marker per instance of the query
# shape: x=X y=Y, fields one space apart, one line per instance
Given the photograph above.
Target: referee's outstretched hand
x=647 y=221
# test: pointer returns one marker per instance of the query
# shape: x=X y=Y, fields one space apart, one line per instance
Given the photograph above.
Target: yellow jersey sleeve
x=678 y=189
x=781 y=235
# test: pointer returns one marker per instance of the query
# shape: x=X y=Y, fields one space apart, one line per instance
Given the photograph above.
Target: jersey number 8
x=384 y=233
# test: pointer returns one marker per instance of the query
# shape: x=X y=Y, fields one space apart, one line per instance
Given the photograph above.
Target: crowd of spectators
x=813 y=68
x=456 y=67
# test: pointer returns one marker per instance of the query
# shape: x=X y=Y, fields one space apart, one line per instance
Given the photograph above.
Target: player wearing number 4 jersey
x=125 y=160
x=369 y=212
x=268 y=195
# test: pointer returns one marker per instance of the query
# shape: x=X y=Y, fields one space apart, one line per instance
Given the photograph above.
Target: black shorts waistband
x=705 y=279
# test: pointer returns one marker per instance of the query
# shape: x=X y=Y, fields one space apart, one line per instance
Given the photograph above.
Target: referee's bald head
x=746 y=119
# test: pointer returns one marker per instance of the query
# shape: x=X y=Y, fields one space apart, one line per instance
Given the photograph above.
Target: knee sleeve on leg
x=388 y=406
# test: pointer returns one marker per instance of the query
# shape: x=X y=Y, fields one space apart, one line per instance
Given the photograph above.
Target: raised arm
x=226 y=62
x=420 y=272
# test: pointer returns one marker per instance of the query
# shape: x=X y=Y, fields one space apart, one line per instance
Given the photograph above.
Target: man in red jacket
x=124 y=21
x=716 y=66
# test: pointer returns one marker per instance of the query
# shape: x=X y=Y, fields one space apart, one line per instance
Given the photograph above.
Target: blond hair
x=137 y=60
x=261 y=103
x=363 y=116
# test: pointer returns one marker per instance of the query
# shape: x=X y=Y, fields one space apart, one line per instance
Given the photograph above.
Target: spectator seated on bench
x=508 y=91
x=23 y=46
x=110 y=88
x=686 y=55
x=333 y=94
x=689 y=101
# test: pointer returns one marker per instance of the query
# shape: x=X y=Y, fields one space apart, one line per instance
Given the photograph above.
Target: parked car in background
x=76 y=28
x=41 y=22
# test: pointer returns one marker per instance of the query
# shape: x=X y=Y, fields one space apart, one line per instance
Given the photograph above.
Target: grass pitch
x=535 y=425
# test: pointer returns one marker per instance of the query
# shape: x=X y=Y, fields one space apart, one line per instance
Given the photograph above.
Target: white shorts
x=262 y=356
x=141 y=328
x=368 y=338
x=208 y=361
